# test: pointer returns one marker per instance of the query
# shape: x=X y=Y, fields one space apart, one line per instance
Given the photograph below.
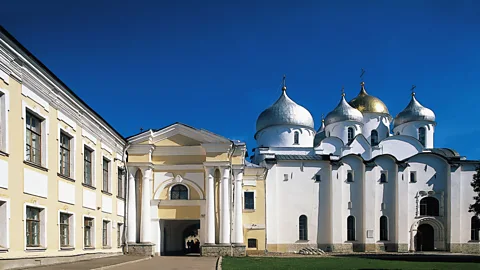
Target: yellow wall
x=172 y=160
x=179 y=212
x=256 y=216
x=17 y=197
x=138 y=158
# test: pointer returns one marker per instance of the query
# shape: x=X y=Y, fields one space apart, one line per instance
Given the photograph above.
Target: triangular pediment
x=178 y=134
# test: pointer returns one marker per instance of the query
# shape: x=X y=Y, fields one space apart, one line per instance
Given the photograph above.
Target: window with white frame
x=88 y=174
x=35 y=226
x=249 y=200
x=3 y=121
x=3 y=224
x=33 y=138
x=66 y=229
x=106 y=175
x=88 y=232
x=349 y=176
x=383 y=177
x=121 y=183
x=413 y=177
x=119 y=234
x=66 y=144
x=106 y=232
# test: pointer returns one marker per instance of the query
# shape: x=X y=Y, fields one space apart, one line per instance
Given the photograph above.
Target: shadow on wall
x=416 y=257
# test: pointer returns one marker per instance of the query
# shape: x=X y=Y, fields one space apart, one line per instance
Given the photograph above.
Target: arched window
x=351 y=228
x=421 y=135
x=302 y=228
x=383 y=177
x=328 y=134
x=296 y=137
x=179 y=192
x=413 y=177
x=350 y=134
x=374 y=138
x=383 y=228
x=475 y=228
x=349 y=177
x=429 y=207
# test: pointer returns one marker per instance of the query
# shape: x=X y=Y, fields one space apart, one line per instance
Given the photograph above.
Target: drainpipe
x=127 y=196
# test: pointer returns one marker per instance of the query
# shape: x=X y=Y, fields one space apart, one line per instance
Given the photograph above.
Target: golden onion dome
x=367 y=103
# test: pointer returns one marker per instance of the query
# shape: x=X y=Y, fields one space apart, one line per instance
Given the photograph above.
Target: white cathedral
x=362 y=182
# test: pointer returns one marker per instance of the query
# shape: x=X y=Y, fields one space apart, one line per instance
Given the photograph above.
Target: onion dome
x=366 y=103
x=414 y=112
x=343 y=112
x=285 y=112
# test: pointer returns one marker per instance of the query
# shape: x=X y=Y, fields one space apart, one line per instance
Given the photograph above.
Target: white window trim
x=254 y=200
x=6 y=109
x=388 y=229
x=174 y=184
x=6 y=201
x=71 y=228
x=94 y=159
x=71 y=134
x=122 y=227
x=44 y=127
x=93 y=234
x=43 y=226
x=109 y=233
x=110 y=170
x=410 y=178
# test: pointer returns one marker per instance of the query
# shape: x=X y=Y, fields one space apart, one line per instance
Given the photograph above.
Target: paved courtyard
x=159 y=262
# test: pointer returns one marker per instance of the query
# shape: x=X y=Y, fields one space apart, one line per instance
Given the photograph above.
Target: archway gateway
x=425 y=238
x=179 y=237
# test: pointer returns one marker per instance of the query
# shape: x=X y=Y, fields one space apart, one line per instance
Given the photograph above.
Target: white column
x=132 y=209
x=238 y=229
x=225 y=207
x=145 y=233
x=210 y=239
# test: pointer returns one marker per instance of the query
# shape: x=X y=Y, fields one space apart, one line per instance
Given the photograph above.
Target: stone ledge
x=142 y=249
x=211 y=250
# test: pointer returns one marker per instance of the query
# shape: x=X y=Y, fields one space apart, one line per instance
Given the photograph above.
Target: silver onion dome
x=343 y=112
x=414 y=112
x=320 y=134
x=285 y=112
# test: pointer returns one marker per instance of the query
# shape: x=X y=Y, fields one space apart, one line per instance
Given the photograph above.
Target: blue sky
x=218 y=64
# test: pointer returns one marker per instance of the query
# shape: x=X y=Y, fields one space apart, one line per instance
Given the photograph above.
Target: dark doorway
x=180 y=237
x=424 y=238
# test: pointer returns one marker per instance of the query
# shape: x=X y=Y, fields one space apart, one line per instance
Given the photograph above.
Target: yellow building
x=193 y=185
x=61 y=168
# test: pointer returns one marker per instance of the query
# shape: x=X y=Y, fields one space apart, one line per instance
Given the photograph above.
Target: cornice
x=217 y=147
x=17 y=65
x=138 y=149
x=180 y=167
x=216 y=164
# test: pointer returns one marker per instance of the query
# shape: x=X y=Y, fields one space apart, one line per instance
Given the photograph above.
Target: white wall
x=283 y=136
x=374 y=121
x=411 y=129
x=340 y=130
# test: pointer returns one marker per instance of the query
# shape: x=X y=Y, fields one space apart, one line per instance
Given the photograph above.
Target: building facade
x=61 y=168
x=357 y=185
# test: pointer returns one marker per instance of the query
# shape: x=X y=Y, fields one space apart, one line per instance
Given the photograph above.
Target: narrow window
x=64 y=154
x=349 y=177
x=3 y=225
x=106 y=165
x=421 y=135
x=475 y=229
x=318 y=178
x=249 y=200
x=351 y=228
x=119 y=234
x=88 y=232
x=3 y=122
x=302 y=228
x=33 y=139
x=383 y=228
x=252 y=243
x=296 y=137
x=374 y=138
x=285 y=177
x=87 y=166
x=429 y=206
x=413 y=177
x=33 y=227
x=179 y=192
x=350 y=135
x=383 y=177
x=120 y=185
x=105 y=233
x=64 y=230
